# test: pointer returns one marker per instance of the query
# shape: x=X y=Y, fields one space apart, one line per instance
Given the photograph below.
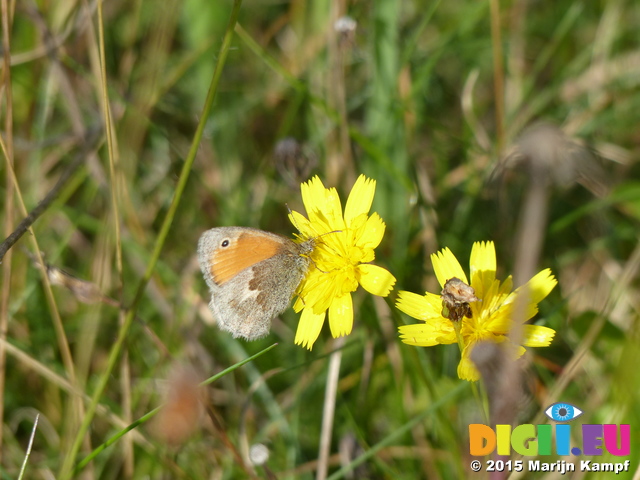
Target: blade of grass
x=29 y=446
x=62 y=383
x=368 y=145
x=116 y=194
x=114 y=354
x=393 y=436
x=61 y=336
x=498 y=73
x=542 y=59
x=8 y=219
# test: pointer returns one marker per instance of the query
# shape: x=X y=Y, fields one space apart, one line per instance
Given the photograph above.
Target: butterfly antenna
x=293 y=218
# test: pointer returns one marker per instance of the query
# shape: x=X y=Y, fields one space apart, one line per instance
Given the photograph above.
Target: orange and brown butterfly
x=252 y=275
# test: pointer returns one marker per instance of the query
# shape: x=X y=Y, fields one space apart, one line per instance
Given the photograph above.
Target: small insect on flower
x=456 y=296
x=481 y=310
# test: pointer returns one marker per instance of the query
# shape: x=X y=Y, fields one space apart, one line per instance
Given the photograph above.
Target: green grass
x=409 y=100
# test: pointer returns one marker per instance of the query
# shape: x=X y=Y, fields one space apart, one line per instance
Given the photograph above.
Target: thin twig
x=88 y=145
x=61 y=336
x=220 y=430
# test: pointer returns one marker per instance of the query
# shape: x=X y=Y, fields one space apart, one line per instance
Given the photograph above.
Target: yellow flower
x=340 y=260
x=491 y=315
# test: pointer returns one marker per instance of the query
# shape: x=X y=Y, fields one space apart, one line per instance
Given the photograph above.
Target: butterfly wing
x=252 y=276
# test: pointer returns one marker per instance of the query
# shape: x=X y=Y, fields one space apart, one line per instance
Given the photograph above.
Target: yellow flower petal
x=360 y=198
x=376 y=280
x=482 y=268
x=491 y=300
x=341 y=316
x=467 y=370
x=322 y=205
x=319 y=289
x=500 y=322
x=302 y=224
x=541 y=285
x=422 y=307
x=507 y=286
x=537 y=336
x=537 y=289
x=309 y=328
x=313 y=193
x=373 y=232
x=483 y=257
x=446 y=266
x=427 y=334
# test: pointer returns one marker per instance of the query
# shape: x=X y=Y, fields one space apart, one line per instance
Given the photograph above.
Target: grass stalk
x=399 y=432
x=498 y=73
x=116 y=349
x=329 y=408
x=27 y=454
x=8 y=219
x=148 y=416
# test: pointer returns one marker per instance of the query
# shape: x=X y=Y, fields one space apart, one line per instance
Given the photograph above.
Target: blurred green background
x=459 y=110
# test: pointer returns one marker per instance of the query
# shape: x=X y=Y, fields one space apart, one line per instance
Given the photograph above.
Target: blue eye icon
x=562 y=412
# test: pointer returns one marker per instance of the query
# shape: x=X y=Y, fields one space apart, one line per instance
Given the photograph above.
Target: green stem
x=457 y=326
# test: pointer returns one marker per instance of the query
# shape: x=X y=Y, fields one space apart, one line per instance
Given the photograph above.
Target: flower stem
x=457 y=326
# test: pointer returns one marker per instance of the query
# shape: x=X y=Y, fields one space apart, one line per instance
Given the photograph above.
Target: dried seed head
x=294 y=161
x=180 y=416
x=545 y=152
x=259 y=454
x=345 y=27
x=504 y=380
